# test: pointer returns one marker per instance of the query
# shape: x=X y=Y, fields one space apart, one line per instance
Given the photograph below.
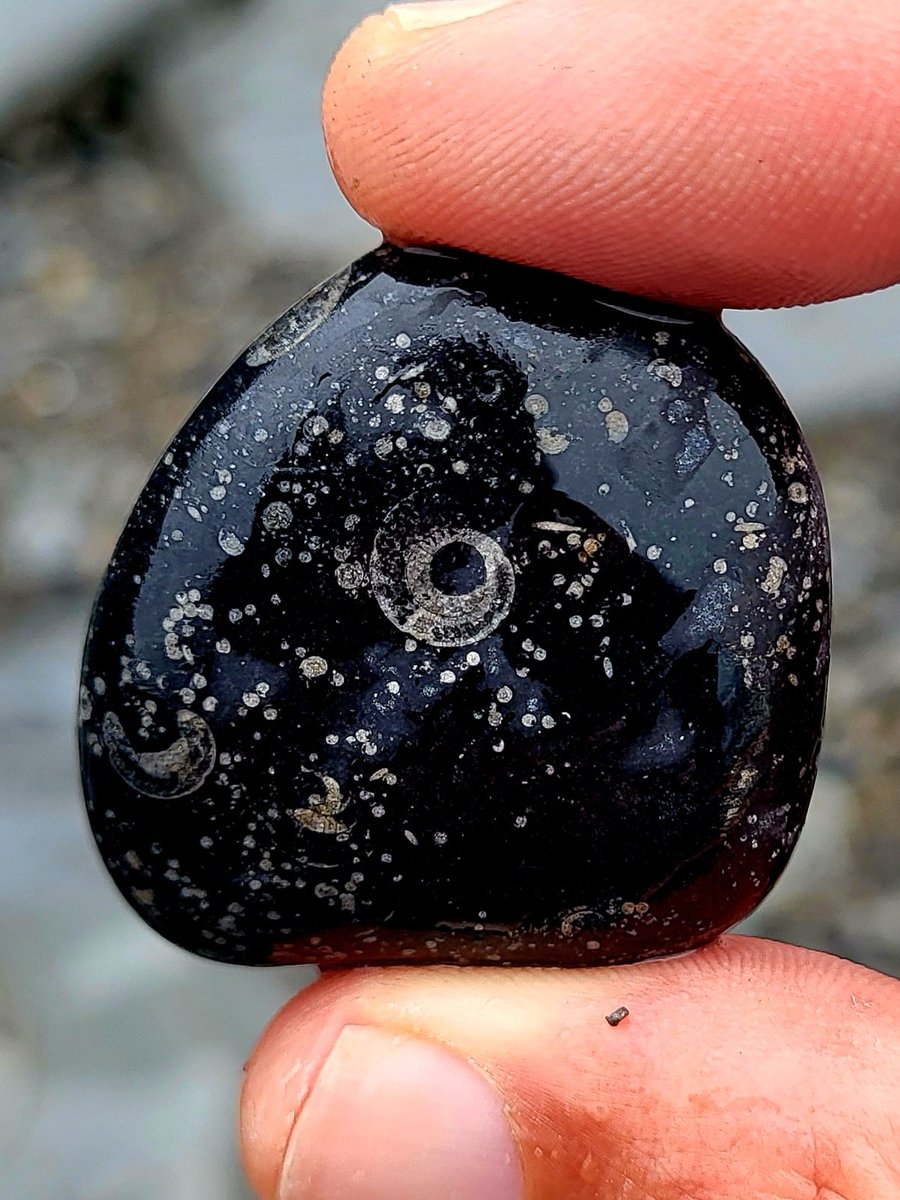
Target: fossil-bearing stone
x=476 y=615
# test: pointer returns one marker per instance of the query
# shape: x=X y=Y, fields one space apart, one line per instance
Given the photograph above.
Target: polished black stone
x=476 y=615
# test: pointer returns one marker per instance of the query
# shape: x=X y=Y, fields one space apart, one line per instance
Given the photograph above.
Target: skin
x=722 y=153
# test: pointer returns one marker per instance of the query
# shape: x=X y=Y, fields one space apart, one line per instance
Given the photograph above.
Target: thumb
x=748 y=1069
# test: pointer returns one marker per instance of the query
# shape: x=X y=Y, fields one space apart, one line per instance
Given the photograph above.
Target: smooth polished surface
x=475 y=615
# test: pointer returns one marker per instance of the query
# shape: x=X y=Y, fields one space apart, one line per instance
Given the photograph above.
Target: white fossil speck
x=668 y=372
x=230 y=543
x=775 y=574
x=616 y=426
x=798 y=493
x=435 y=428
x=552 y=441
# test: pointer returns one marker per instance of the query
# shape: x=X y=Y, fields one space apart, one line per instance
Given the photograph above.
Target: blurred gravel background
x=163 y=195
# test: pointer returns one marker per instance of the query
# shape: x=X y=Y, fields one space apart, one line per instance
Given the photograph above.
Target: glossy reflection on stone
x=475 y=615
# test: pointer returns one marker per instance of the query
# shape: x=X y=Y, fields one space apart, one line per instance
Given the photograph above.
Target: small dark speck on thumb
x=617 y=1017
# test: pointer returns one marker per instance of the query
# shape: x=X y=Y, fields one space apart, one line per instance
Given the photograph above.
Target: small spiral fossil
x=445 y=585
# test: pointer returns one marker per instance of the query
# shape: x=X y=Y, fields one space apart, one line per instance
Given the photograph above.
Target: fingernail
x=393 y=1118
x=440 y=12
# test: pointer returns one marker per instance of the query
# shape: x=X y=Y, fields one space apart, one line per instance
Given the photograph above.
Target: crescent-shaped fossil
x=177 y=770
x=321 y=814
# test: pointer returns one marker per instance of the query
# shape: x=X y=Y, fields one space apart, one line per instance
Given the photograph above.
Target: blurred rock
x=130 y=293
x=47 y=45
x=244 y=98
x=874 y=926
x=829 y=358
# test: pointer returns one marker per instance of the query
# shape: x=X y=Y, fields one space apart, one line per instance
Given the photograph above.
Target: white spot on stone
x=771 y=585
x=277 y=515
x=616 y=426
x=668 y=372
x=315 y=426
x=435 y=428
x=552 y=441
x=798 y=493
x=230 y=543
x=537 y=405
x=350 y=575
x=313 y=666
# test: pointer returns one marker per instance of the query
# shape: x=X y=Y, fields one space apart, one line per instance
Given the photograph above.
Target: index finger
x=727 y=153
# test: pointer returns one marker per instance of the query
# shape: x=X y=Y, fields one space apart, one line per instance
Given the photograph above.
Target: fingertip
x=348 y=116
x=723 y=157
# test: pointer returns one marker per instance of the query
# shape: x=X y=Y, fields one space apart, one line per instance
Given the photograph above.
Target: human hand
x=727 y=153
